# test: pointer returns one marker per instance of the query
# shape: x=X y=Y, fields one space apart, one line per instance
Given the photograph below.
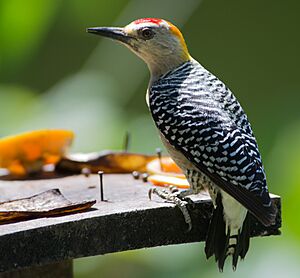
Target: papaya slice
x=164 y=166
x=165 y=181
x=28 y=152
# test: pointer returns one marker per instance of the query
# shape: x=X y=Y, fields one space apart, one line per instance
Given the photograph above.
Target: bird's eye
x=147 y=33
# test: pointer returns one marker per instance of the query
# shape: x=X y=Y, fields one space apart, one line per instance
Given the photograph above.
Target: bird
x=206 y=132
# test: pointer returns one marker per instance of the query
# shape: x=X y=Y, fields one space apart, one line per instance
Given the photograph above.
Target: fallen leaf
x=46 y=204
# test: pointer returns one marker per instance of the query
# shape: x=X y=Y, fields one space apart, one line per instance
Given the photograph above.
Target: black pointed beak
x=114 y=33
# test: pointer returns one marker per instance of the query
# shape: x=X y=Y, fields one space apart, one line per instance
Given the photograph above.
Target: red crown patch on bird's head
x=148 y=20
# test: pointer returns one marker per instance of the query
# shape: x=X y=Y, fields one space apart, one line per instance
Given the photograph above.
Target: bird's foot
x=173 y=195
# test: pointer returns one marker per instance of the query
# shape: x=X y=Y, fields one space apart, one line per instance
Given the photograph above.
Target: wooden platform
x=128 y=220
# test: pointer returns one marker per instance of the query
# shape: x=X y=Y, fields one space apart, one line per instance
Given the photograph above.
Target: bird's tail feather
x=222 y=244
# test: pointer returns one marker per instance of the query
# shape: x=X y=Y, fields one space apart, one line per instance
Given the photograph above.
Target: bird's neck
x=159 y=67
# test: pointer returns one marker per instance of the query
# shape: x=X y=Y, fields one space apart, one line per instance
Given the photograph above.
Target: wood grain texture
x=127 y=220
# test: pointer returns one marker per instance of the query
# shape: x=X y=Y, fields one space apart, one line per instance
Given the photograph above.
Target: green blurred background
x=54 y=75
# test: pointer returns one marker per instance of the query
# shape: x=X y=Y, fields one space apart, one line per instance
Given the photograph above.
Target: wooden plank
x=127 y=221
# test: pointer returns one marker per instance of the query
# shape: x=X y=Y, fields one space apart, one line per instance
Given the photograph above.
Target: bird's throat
x=161 y=66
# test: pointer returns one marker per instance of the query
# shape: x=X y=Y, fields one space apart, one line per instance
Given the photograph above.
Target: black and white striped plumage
x=200 y=118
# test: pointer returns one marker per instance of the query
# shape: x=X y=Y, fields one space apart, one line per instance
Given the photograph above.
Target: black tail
x=217 y=242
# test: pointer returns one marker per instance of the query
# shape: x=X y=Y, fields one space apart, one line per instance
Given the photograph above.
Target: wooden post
x=62 y=269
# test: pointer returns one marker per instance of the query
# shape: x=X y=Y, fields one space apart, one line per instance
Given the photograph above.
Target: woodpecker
x=206 y=132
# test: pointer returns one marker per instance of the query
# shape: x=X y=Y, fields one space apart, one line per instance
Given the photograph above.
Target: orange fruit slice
x=28 y=152
x=162 y=180
x=164 y=166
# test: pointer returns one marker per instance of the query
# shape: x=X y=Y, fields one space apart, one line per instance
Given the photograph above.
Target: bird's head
x=158 y=42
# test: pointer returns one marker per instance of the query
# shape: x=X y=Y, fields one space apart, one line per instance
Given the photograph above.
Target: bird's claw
x=150 y=192
x=183 y=195
x=190 y=226
x=173 y=195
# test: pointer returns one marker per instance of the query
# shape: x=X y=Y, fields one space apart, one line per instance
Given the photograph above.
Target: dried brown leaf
x=107 y=161
x=45 y=204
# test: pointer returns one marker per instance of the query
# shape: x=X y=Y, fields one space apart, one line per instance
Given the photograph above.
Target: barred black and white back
x=200 y=118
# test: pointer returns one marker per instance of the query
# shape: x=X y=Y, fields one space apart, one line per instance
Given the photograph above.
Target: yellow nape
x=176 y=32
x=28 y=152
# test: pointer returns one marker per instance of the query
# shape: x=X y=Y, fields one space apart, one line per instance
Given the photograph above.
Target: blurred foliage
x=53 y=74
x=22 y=29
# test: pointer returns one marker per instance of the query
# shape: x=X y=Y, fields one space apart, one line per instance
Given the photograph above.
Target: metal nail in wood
x=126 y=142
x=158 y=152
x=100 y=173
